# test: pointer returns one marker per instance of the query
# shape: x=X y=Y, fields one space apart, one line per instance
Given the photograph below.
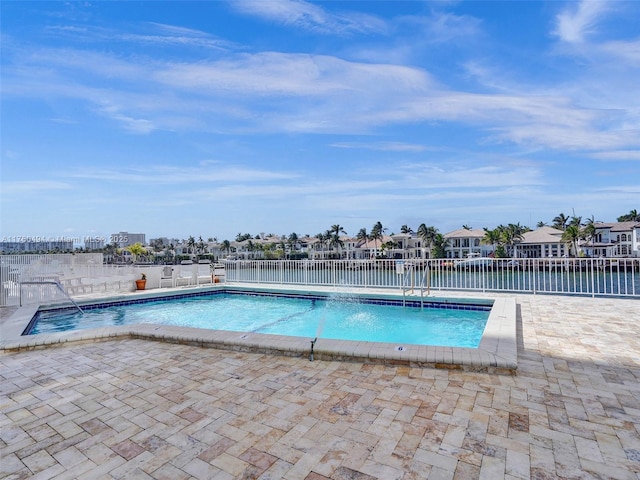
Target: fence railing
x=31 y=278
x=576 y=276
x=28 y=278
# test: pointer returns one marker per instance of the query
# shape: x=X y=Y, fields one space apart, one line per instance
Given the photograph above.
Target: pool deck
x=130 y=408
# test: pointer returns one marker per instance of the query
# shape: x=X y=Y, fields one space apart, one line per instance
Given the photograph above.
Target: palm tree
x=492 y=237
x=226 y=246
x=589 y=231
x=334 y=236
x=251 y=247
x=513 y=234
x=337 y=229
x=439 y=246
x=191 y=244
x=405 y=229
x=427 y=235
x=541 y=224
x=560 y=222
x=362 y=235
x=292 y=239
x=390 y=245
x=321 y=238
x=200 y=245
x=377 y=232
x=136 y=249
x=632 y=216
x=571 y=236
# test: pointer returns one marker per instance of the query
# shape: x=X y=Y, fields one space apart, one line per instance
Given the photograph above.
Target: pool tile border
x=497 y=351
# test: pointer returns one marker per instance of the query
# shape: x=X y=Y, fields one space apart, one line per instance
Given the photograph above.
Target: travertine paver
x=137 y=409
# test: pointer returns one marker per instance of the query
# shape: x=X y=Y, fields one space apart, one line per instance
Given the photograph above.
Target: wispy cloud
x=272 y=91
x=33 y=187
x=623 y=155
x=310 y=17
x=167 y=174
x=382 y=146
x=580 y=20
x=149 y=34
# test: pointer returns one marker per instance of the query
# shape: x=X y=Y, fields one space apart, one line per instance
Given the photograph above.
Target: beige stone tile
x=173 y=411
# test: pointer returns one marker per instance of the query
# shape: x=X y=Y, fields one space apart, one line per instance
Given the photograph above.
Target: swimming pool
x=337 y=316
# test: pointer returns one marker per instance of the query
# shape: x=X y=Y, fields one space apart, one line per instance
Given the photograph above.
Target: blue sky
x=214 y=118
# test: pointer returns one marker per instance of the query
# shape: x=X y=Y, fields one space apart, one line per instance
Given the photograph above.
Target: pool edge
x=496 y=353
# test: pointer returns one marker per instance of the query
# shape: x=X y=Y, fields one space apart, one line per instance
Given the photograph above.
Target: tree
x=560 y=222
x=377 y=232
x=632 y=216
x=570 y=236
x=292 y=240
x=439 y=246
x=321 y=238
x=428 y=236
x=589 y=231
x=200 y=245
x=405 y=229
x=226 y=246
x=511 y=235
x=334 y=236
x=492 y=237
x=390 y=245
x=136 y=249
x=251 y=247
x=362 y=235
x=191 y=244
x=157 y=245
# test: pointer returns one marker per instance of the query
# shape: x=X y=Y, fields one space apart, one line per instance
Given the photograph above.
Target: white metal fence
x=54 y=277
x=38 y=278
x=577 y=276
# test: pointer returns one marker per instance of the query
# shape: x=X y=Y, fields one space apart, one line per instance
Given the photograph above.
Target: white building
x=542 y=243
x=617 y=239
x=465 y=243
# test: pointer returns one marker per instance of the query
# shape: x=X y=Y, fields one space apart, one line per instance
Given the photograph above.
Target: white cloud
x=215 y=172
x=383 y=146
x=307 y=16
x=617 y=155
x=578 y=22
x=33 y=187
x=304 y=93
x=628 y=51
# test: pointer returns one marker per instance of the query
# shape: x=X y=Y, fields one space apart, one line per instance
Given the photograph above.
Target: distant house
x=541 y=243
x=617 y=239
x=465 y=243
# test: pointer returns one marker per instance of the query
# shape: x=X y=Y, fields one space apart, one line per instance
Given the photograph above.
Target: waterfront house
x=611 y=240
x=542 y=243
x=465 y=243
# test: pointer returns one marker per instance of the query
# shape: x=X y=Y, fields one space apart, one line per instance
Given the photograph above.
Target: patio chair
x=167 y=276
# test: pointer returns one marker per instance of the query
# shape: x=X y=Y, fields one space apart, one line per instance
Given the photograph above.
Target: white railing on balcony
x=577 y=276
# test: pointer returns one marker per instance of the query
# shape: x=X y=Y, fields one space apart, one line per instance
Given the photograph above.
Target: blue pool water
x=336 y=318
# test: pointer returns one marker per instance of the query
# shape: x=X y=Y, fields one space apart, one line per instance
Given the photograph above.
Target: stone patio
x=129 y=408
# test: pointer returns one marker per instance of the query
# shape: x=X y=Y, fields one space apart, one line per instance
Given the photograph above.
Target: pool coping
x=497 y=351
